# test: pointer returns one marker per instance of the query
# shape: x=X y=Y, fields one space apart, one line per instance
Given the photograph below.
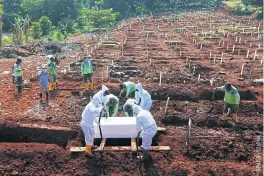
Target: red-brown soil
x=35 y=138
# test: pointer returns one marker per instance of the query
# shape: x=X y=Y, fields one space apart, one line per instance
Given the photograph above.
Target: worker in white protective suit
x=101 y=95
x=91 y=111
x=143 y=98
x=146 y=124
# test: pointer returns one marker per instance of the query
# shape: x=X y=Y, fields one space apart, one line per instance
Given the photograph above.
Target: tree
x=18 y=30
x=1 y=22
x=13 y=10
x=45 y=25
x=26 y=27
x=100 y=18
x=35 y=30
x=246 y=3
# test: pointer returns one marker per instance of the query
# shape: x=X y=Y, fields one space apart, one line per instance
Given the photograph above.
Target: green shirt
x=86 y=67
x=17 y=70
x=52 y=66
x=231 y=96
x=130 y=88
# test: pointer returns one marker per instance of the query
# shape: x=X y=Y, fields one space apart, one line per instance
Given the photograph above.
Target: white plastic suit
x=143 y=97
x=91 y=111
x=145 y=121
x=99 y=96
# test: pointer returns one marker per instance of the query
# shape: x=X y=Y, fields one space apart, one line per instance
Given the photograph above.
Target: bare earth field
x=35 y=137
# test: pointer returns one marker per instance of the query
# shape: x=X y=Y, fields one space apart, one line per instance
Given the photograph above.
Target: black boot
x=47 y=96
x=145 y=154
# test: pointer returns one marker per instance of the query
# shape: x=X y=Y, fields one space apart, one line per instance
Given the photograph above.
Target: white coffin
x=116 y=127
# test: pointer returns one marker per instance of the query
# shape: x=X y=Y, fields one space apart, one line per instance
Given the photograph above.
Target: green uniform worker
x=18 y=74
x=231 y=100
x=129 y=88
x=87 y=71
x=111 y=105
x=143 y=18
x=52 y=67
x=128 y=107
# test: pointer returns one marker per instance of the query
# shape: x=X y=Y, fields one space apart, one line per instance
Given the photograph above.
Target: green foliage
x=45 y=25
x=35 y=30
x=8 y=40
x=57 y=34
x=100 y=18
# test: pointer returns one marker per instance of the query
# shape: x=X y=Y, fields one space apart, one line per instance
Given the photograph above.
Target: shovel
x=139 y=155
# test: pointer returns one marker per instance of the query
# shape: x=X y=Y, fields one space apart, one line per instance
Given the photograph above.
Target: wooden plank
x=119 y=148
x=102 y=144
x=133 y=145
x=162 y=129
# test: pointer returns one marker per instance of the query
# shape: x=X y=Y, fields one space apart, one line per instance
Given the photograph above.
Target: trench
x=188 y=95
x=122 y=141
x=27 y=133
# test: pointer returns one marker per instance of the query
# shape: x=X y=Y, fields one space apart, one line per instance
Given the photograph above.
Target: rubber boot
x=235 y=117
x=47 y=96
x=86 y=86
x=224 y=117
x=88 y=151
x=54 y=85
x=145 y=154
x=92 y=85
x=50 y=87
x=94 y=146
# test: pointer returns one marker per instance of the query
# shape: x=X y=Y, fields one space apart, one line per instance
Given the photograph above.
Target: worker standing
x=231 y=100
x=18 y=74
x=111 y=105
x=101 y=95
x=43 y=81
x=52 y=67
x=87 y=71
x=129 y=88
x=143 y=98
x=91 y=111
x=146 y=124
x=128 y=107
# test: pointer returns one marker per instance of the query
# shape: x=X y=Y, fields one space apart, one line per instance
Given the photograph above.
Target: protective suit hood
x=139 y=88
x=104 y=88
x=137 y=109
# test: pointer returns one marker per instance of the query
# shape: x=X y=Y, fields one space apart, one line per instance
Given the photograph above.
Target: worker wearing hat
x=18 y=74
x=52 y=67
x=87 y=72
x=128 y=107
x=111 y=105
x=43 y=81
x=231 y=101
x=91 y=111
x=145 y=123
x=128 y=88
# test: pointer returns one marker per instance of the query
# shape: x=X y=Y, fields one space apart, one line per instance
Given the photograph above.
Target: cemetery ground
x=184 y=59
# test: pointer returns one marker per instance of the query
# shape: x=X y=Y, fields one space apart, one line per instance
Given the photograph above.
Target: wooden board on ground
x=133 y=145
x=119 y=148
x=102 y=144
x=162 y=129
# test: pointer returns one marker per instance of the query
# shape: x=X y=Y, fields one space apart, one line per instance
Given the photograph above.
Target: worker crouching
x=231 y=101
x=91 y=111
x=111 y=105
x=128 y=107
x=145 y=123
